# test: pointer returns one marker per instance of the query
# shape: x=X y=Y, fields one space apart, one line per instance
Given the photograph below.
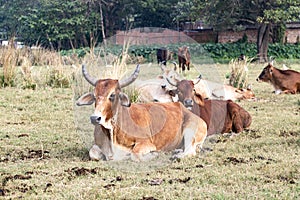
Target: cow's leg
x=183 y=67
x=289 y=92
x=237 y=124
x=193 y=136
x=95 y=153
x=143 y=151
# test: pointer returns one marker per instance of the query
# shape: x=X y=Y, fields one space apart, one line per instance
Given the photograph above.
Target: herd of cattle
x=173 y=115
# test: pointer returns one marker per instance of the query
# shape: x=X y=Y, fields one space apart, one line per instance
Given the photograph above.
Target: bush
x=58 y=79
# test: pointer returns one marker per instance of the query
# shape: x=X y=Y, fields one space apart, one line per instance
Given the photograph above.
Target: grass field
x=42 y=156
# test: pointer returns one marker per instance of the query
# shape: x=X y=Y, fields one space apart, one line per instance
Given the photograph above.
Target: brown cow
x=220 y=116
x=283 y=81
x=184 y=58
x=141 y=129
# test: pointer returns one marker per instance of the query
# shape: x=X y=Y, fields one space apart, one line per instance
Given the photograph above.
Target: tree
x=263 y=14
x=10 y=12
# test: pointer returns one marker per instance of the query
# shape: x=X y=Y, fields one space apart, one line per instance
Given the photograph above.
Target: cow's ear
x=173 y=93
x=198 y=99
x=160 y=77
x=271 y=69
x=124 y=99
x=86 y=99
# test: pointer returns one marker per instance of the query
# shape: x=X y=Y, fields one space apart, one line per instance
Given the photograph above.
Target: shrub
x=58 y=79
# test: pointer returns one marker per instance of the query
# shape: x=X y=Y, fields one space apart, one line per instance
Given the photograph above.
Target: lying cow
x=184 y=58
x=153 y=90
x=283 y=81
x=141 y=129
x=212 y=90
x=220 y=116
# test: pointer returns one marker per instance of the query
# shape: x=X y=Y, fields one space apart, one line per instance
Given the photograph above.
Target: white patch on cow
x=278 y=91
x=189 y=149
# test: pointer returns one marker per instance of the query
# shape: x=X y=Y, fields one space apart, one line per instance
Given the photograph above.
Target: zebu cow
x=153 y=90
x=283 y=81
x=184 y=58
x=141 y=129
x=220 y=116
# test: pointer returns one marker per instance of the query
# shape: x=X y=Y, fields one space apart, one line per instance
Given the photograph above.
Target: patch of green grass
x=42 y=156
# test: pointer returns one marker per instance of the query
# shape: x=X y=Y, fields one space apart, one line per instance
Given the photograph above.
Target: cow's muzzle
x=95 y=119
x=188 y=103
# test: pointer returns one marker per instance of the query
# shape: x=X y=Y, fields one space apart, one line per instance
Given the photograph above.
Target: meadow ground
x=43 y=156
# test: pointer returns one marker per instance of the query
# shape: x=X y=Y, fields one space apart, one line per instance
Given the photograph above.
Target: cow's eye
x=112 y=97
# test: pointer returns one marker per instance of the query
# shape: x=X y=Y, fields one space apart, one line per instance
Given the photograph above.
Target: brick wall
x=151 y=36
x=166 y=36
x=292 y=35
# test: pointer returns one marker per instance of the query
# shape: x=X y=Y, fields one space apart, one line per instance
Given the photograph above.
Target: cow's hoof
x=95 y=153
x=177 y=151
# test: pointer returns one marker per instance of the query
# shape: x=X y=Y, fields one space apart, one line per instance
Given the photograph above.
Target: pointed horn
x=249 y=87
x=163 y=68
x=171 y=83
x=198 y=79
x=131 y=78
x=88 y=77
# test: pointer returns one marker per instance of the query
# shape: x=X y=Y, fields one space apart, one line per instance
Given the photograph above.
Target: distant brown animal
x=283 y=81
x=142 y=129
x=220 y=116
x=184 y=58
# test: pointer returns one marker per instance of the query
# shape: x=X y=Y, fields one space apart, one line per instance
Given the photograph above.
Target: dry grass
x=43 y=156
x=239 y=72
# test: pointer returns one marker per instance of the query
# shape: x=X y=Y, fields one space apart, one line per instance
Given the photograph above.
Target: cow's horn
x=88 y=77
x=131 y=78
x=171 y=83
x=249 y=86
x=198 y=79
x=162 y=67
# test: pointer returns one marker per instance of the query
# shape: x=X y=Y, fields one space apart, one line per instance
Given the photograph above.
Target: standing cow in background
x=163 y=55
x=184 y=58
x=283 y=81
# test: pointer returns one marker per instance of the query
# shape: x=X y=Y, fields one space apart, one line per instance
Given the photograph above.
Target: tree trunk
x=102 y=24
x=263 y=42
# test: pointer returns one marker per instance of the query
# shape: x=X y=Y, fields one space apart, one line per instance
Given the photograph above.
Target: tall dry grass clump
x=30 y=68
x=102 y=65
x=239 y=72
x=9 y=58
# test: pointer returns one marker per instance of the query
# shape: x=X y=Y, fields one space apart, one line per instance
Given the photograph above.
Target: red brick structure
x=150 y=35
x=163 y=36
